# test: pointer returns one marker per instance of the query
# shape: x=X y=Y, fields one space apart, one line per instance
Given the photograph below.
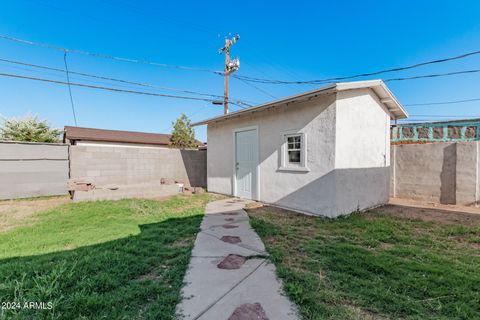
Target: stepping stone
x=249 y=311
x=229 y=226
x=231 y=262
x=229 y=219
x=231 y=239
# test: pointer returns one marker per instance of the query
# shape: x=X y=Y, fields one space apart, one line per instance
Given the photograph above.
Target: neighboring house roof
x=103 y=135
x=378 y=86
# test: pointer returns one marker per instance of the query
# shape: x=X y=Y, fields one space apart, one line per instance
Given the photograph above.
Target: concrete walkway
x=220 y=283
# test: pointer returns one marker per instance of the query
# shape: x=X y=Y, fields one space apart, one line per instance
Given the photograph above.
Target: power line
x=447 y=74
x=190 y=115
x=235 y=101
x=69 y=87
x=106 y=88
x=261 y=80
x=257 y=88
x=53 y=47
x=241 y=78
x=111 y=79
x=240 y=103
x=318 y=81
x=440 y=103
x=433 y=75
x=246 y=82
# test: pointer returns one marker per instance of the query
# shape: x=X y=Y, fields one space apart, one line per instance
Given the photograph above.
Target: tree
x=28 y=128
x=183 y=135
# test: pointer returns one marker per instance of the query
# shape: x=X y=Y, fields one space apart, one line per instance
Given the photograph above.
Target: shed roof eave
x=386 y=97
x=295 y=98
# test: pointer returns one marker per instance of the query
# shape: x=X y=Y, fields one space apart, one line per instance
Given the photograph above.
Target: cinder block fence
x=33 y=169
x=41 y=169
x=119 y=172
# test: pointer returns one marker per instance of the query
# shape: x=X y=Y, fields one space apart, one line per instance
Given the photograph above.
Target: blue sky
x=295 y=40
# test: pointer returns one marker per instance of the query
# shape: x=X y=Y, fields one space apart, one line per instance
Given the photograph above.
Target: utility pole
x=225 y=80
x=230 y=67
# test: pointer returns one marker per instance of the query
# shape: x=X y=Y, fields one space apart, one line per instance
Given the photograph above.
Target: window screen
x=294 y=148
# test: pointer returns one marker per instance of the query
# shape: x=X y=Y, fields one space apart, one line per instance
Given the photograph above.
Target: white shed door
x=246 y=161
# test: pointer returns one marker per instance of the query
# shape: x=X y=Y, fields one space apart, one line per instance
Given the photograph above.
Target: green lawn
x=101 y=260
x=374 y=265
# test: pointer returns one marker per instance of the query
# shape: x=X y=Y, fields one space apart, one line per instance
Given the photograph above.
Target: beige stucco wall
x=362 y=124
x=362 y=151
x=440 y=172
x=332 y=130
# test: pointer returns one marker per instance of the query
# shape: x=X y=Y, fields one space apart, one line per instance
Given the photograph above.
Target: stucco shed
x=324 y=152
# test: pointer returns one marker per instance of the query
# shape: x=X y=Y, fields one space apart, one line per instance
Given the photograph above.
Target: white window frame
x=285 y=165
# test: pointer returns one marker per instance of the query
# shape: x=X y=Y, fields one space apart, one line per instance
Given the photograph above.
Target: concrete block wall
x=32 y=169
x=144 y=190
x=441 y=172
x=123 y=169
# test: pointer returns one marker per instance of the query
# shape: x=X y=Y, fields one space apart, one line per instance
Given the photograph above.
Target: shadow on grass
x=134 y=277
x=372 y=266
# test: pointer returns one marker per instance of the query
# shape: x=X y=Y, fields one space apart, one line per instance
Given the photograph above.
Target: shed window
x=294 y=149
x=293 y=155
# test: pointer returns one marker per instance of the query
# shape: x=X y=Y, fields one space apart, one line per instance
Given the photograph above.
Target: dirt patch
x=249 y=311
x=181 y=243
x=70 y=247
x=253 y=205
x=231 y=239
x=15 y=213
x=231 y=262
x=431 y=214
x=364 y=314
x=386 y=245
x=465 y=241
x=153 y=276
